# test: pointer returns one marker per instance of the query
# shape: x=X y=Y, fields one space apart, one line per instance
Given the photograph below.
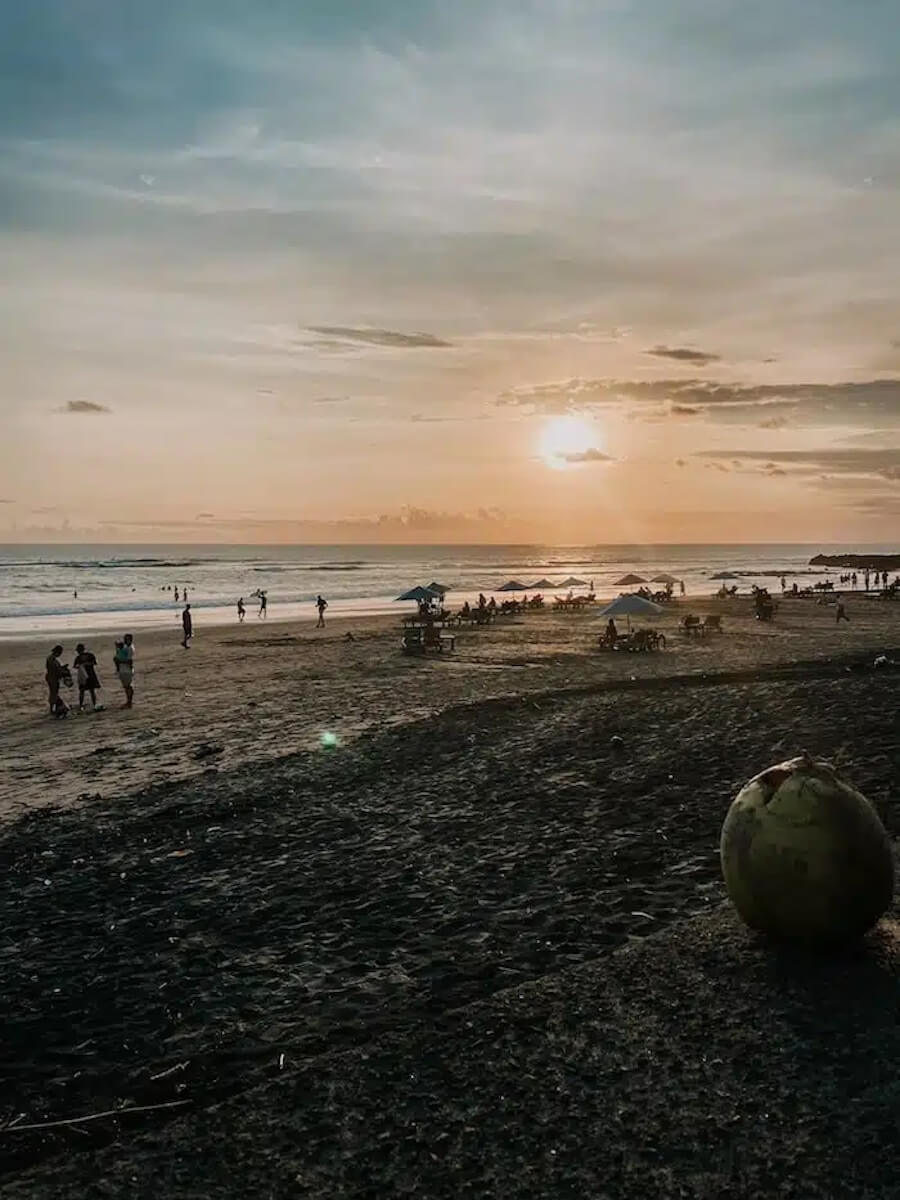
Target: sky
x=572 y=271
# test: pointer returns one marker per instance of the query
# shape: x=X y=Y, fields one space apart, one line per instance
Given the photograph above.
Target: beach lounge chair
x=712 y=623
x=692 y=626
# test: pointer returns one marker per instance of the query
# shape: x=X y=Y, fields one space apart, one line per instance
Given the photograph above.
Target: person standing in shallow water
x=321 y=605
x=841 y=614
x=187 y=625
x=262 y=605
x=242 y=612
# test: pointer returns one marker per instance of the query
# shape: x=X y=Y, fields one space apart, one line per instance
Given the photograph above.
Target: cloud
x=684 y=354
x=775 y=422
x=2 y=501
x=680 y=462
x=206 y=516
x=882 y=463
x=725 y=403
x=331 y=399
x=591 y=455
x=684 y=410
x=381 y=337
x=83 y=406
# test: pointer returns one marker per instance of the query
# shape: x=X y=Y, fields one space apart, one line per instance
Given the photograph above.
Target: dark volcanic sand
x=311 y=906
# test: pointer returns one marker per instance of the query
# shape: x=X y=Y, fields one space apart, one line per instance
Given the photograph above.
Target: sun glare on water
x=566 y=441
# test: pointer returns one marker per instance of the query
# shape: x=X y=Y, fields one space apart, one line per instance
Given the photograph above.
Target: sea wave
x=115 y=564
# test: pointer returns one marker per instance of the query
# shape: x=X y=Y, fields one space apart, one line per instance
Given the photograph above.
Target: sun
x=566 y=441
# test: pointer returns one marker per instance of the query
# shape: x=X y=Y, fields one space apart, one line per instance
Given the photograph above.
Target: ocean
x=80 y=588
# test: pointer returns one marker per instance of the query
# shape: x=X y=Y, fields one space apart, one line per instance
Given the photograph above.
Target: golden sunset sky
x=514 y=270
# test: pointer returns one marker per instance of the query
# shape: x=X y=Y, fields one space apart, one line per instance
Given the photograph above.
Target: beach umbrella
x=544 y=583
x=440 y=588
x=725 y=575
x=664 y=578
x=630 y=606
x=422 y=595
x=512 y=585
x=573 y=582
x=629 y=580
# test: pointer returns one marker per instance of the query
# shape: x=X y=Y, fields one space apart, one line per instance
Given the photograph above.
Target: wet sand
x=478 y=952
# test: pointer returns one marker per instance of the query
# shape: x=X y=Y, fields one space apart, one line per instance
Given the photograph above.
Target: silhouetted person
x=85 y=664
x=321 y=605
x=612 y=634
x=187 y=625
x=681 y=585
x=841 y=614
x=55 y=673
x=262 y=605
x=124 y=660
x=184 y=595
x=866 y=580
x=242 y=612
x=176 y=595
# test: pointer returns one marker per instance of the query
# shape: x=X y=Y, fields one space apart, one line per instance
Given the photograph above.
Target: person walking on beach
x=242 y=612
x=176 y=593
x=681 y=585
x=321 y=605
x=262 y=605
x=55 y=673
x=124 y=661
x=841 y=614
x=85 y=664
x=187 y=625
x=184 y=595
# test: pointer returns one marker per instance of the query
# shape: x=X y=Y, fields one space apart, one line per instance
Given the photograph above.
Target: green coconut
x=805 y=856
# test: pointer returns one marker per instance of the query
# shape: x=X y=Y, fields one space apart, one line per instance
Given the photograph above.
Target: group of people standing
x=59 y=675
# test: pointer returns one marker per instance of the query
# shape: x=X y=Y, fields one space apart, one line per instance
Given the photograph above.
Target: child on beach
x=242 y=612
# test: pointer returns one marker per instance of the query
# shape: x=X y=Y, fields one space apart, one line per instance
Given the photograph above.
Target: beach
x=479 y=946
x=267 y=689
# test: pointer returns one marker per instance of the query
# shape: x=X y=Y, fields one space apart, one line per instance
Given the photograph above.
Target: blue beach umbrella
x=422 y=595
x=630 y=605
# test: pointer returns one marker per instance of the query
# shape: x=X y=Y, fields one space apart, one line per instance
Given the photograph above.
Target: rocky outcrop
x=858 y=562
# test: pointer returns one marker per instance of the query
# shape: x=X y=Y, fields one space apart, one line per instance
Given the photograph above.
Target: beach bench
x=423 y=640
x=712 y=623
x=692 y=626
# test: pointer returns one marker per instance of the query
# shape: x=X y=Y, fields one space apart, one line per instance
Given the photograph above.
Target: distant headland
x=874 y=562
